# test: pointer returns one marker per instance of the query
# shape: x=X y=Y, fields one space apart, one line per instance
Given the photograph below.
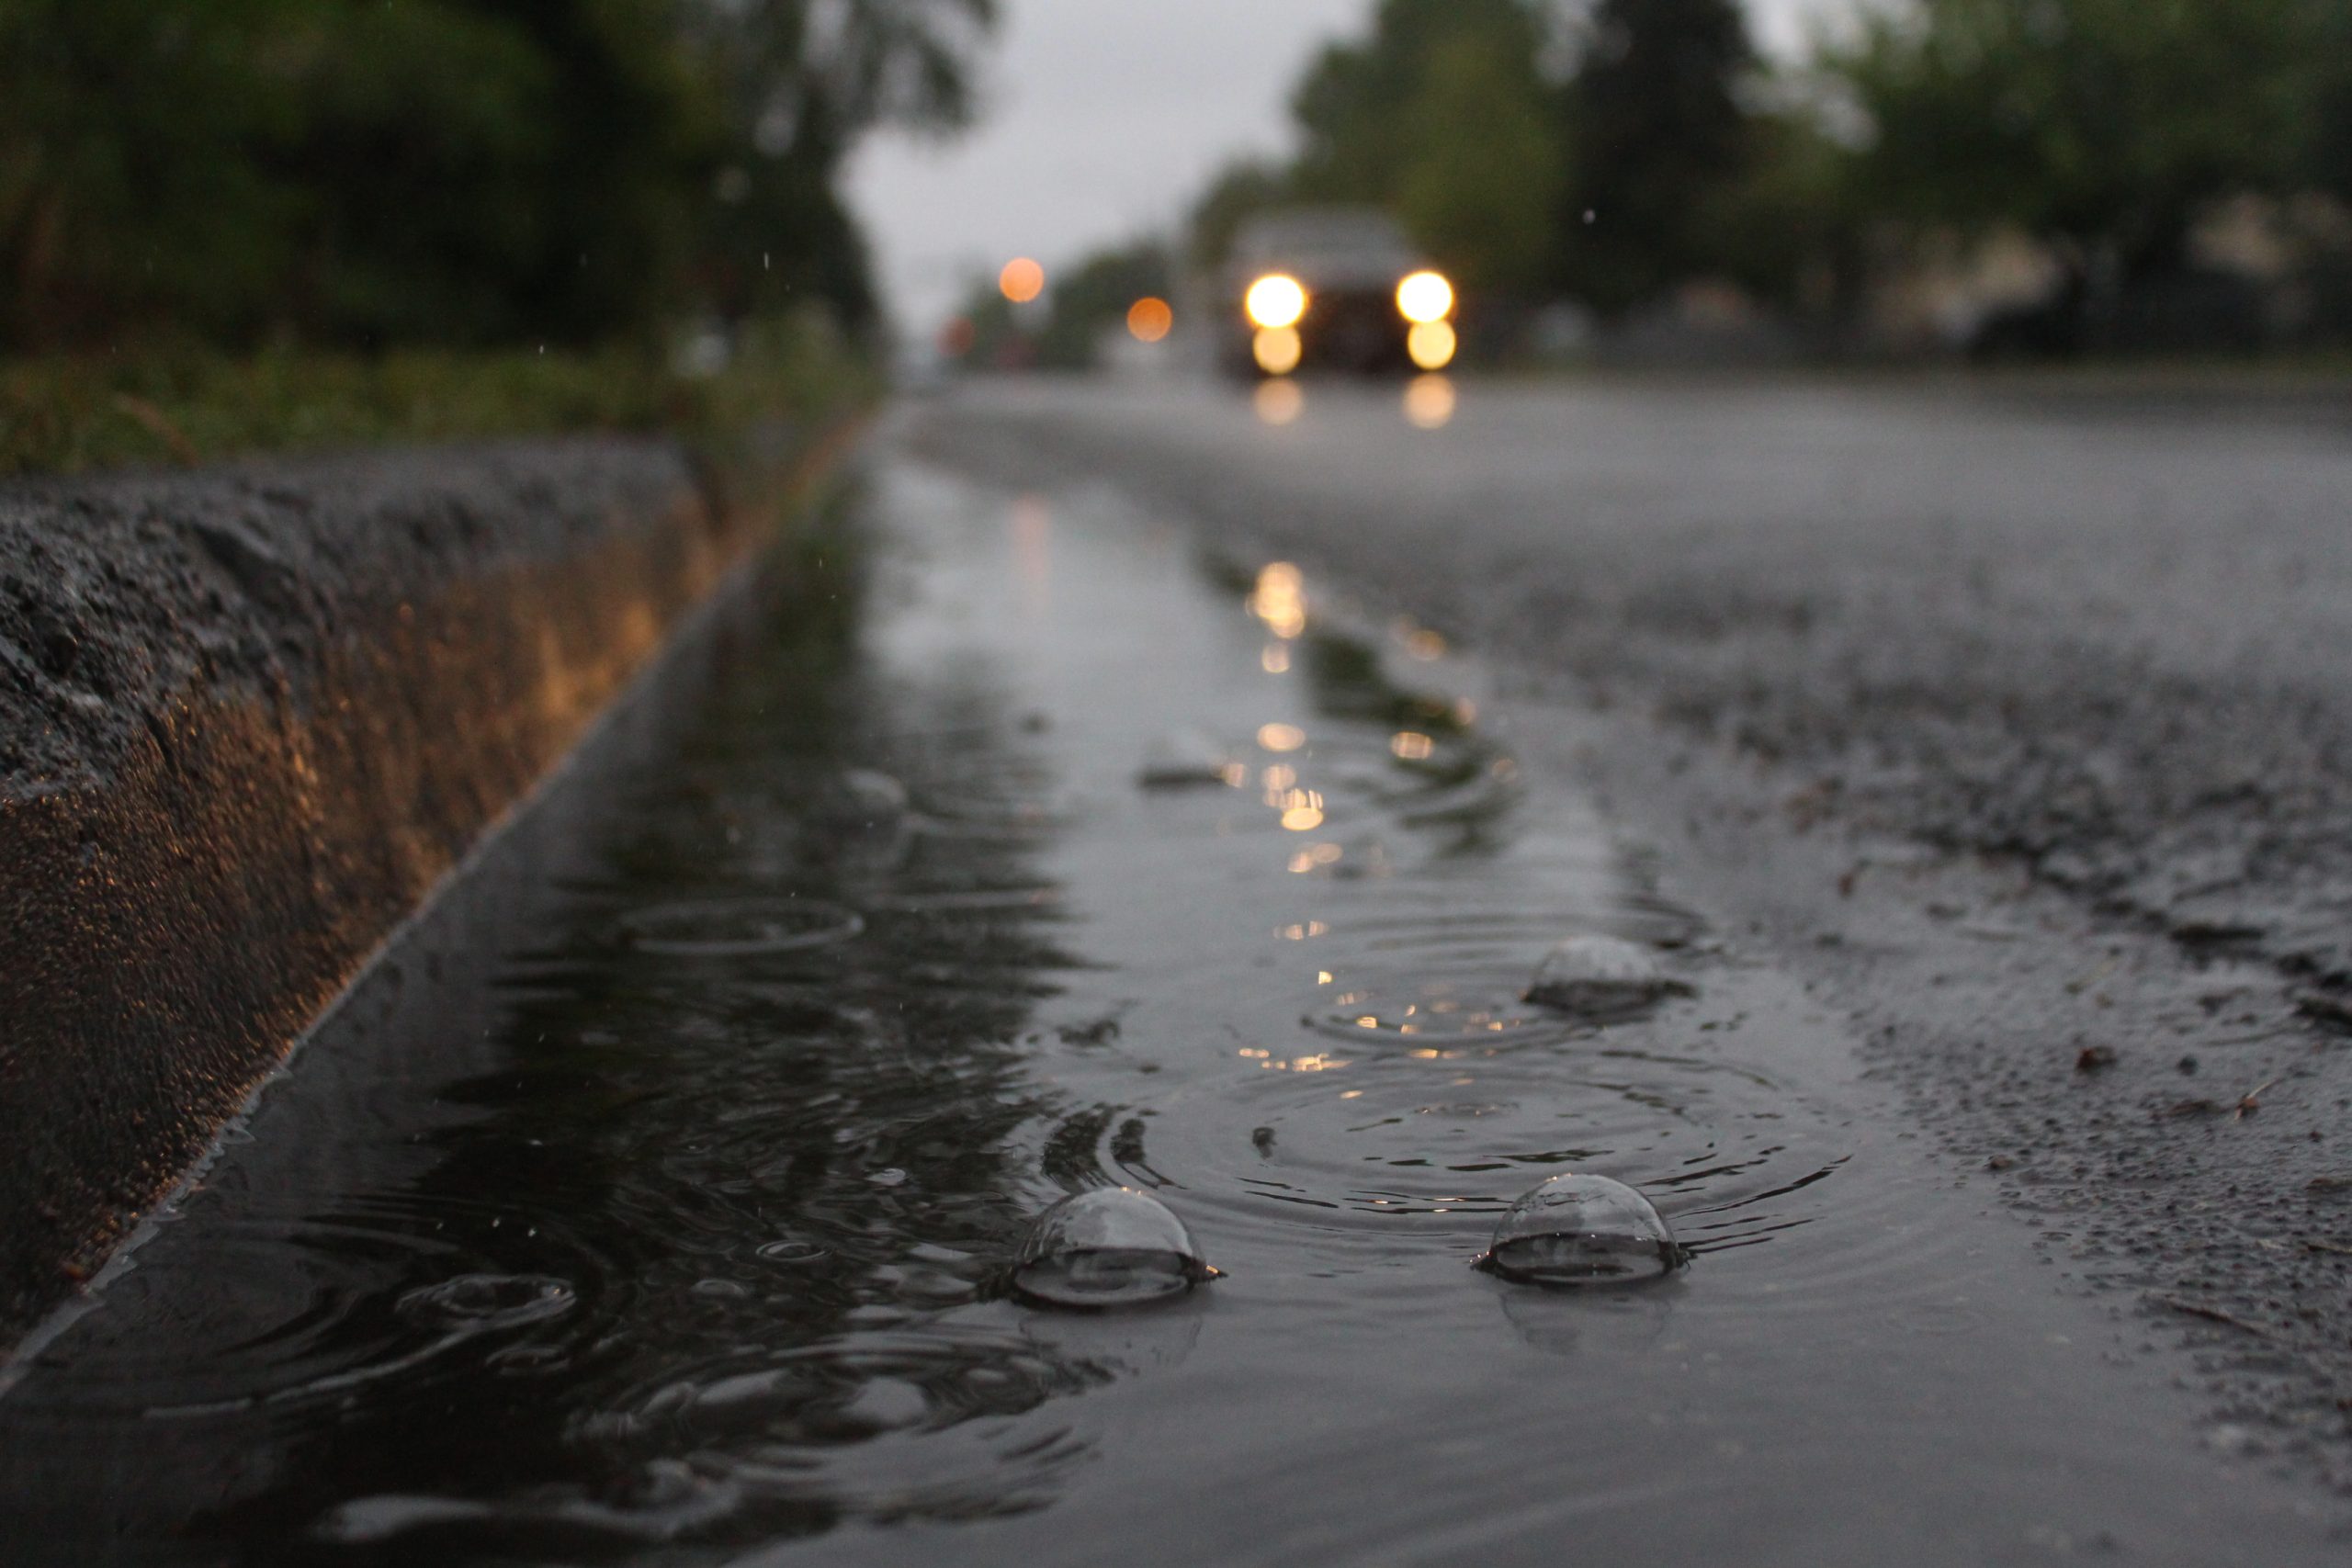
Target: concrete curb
x=249 y=718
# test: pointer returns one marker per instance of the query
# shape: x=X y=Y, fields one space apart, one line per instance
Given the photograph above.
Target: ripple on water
x=1376 y=1148
x=828 y=1422
x=665 y=1500
x=995 y=798
x=483 y=1303
x=1444 y=1014
x=739 y=927
x=309 y=1310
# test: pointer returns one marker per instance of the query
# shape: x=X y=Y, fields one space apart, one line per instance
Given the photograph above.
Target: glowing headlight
x=1425 y=297
x=1275 y=300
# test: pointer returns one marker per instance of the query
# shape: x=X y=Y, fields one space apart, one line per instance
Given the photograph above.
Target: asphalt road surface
x=2013 y=716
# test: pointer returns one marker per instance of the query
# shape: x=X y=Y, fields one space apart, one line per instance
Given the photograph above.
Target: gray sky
x=1106 y=117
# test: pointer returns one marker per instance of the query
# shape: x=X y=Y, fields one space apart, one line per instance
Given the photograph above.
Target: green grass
x=74 y=416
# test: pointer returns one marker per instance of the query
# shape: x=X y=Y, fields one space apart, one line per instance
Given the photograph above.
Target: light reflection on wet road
x=901 y=952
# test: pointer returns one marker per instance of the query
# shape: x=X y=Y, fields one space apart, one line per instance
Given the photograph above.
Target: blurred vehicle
x=1336 y=289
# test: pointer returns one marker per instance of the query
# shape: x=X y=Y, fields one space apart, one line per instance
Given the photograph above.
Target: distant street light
x=1021 y=280
x=1149 y=318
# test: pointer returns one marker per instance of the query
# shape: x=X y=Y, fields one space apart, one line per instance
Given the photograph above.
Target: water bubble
x=1582 y=1230
x=479 y=1302
x=883 y=1404
x=1113 y=1246
x=1183 y=758
x=1601 y=979
x=861 y=799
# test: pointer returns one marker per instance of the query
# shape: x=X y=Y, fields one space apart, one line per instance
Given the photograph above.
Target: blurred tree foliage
x=1443 y=116
x=1064 y=328
x=1241 y=189
x=1661 y=143
x=1093 y=297
x=2102 y=126
x=1614 y=150
x=1480 y=187
x=351 y=172
x=1491 y=127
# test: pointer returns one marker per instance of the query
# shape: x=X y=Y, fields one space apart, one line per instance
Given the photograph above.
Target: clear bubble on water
x=1581 y=1230
x=1183 y=758
x=1602 y=980
x=862 y=799
x=1113 y=1246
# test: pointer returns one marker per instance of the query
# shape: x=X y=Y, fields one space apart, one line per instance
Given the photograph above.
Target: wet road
x=675 y=1234
x=660 y=1210
x=2014 y=717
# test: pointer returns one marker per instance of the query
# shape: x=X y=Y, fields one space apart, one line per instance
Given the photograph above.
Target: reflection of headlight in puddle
x=1276 y=300
x=1429 y=402
x=1276 y=349
x=1278 y=402
x=1431 y=345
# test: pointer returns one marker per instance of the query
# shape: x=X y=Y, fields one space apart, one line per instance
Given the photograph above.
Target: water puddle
x=1039 y=863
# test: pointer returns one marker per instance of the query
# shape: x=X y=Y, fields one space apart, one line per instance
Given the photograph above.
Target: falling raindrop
x=1113 y=1246
x=1579 y=1231
x=1601 y=979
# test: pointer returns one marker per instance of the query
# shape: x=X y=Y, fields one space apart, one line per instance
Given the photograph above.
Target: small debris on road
x=2331 y=1013
x=2212 y=1315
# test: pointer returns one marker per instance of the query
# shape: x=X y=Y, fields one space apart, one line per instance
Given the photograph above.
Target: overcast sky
x=1106 y=117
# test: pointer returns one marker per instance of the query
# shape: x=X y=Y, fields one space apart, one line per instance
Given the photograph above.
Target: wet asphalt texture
x=2013 y=716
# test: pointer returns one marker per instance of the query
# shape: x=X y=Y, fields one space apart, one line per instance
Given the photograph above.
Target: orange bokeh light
x=1021 y=280
x=1149 y=318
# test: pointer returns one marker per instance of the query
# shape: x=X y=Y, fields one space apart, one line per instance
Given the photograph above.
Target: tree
x=1439 y=116
x=805 y=81
x=1239 y=191
x=115 y=198
x=446 y=171
x=2101 y=126
x=1093 y=297
x=1481 y=177
x=1351 y=105
x=1659 y=138
x=479 y=171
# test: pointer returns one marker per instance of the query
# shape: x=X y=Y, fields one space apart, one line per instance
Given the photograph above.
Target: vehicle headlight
x=1275 y=300
x=1425 y=297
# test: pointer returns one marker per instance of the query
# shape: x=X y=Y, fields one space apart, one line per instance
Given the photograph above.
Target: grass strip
x=184 y=407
